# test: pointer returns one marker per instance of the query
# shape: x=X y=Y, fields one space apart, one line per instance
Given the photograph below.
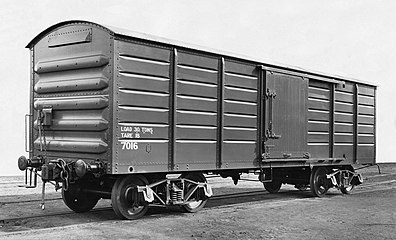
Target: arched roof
x=137 y=35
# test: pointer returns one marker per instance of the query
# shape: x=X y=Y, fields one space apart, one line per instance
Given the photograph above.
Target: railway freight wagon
x=140 y=120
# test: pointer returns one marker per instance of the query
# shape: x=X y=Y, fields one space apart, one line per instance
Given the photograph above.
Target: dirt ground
x=368 y=213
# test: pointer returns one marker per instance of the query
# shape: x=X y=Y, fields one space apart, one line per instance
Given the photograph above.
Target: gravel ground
x=368 y=213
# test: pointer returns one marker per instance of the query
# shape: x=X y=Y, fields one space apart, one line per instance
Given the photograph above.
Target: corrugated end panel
x=72 y=79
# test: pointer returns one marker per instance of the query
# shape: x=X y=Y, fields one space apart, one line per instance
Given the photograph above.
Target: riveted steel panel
x=143 y=83
x=141 y=115
x=148 y=156
x=87 y=114
x=240 y=134
x=344 y=150
x=74 y=141
x=197 y=90
x=318 y=93
x=185 y=132
x=319 y=151
x=318 y=138
x=238 y=107
x=78 y=124
x=71 y=77
x=318 y=116
x=73 y=62
x=366 y=90
x=196 y=118
x=196 y=74
x=241 y=68
x=196 y=104
x=365 y=129
x=347 y=87
x=318 y=127
x=143 y=99
x=72 y=103
x=314 y=83
x=240 y=94
x=365 y=100
x=195 y=155
x=343 y=97
x=318 y=105
x=366 y=142
x=366 y=154
x=72 y=37
x=239 y=154
x=366 y=138
x=235 y=120
x=72 y=81
x=236 y=80
x=139 y=50
x=140 y=66
x=200 y=61
x=343 y=138
x=343 y=107
x=343 y=117
x=343 y=128
x=366 y=110
x=366 y=119
x=73 y=146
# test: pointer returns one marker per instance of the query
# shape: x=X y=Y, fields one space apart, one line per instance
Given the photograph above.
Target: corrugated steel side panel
x=240 y=130
x=319 y=107
x=366 y=118
x=141 y=118
x=196 y=104
x=344 y=135
x=183 y=129
x=177 y=97
x=352 y=133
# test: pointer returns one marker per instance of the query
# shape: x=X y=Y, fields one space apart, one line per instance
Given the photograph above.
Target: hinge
x=270 y=93
x=45 y=116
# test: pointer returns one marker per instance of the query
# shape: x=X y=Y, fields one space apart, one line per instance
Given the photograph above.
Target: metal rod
x=190 y=193
x=26 y=172
x=103 y=194
x=370 y=165
x=42 y=205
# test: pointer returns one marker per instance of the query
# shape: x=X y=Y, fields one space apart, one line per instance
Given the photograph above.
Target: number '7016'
x=129 y=146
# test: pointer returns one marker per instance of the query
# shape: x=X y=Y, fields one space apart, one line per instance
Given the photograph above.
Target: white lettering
x=129 y=145
x=147 y=130
x=126 y=129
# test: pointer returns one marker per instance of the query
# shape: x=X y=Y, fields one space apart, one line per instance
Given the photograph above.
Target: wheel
x=302 y=187
x=194 y=204
x=273 y=187
x=127 y=203
x=78 y=200
x=347 y=190
x=319 y=183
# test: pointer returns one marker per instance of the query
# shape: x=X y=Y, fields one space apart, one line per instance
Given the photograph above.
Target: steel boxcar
x=117 y=114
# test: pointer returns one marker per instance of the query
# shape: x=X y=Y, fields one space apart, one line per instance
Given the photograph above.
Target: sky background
x=355 y=39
